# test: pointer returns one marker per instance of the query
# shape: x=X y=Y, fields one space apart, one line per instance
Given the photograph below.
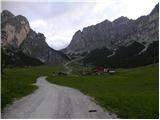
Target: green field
x=18 y=82
x=130 y=93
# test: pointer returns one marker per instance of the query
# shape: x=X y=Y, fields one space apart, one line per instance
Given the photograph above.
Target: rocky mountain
x=16 y=35
x=35 y=46
x=121 y=43
x=14 y=29
x=113 y=35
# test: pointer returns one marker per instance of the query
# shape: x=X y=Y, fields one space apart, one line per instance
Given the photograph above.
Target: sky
x=58 y=20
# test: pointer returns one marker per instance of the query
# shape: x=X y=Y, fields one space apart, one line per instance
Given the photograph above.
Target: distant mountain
x=119 y=42
x=17 y=34
x=120 y=32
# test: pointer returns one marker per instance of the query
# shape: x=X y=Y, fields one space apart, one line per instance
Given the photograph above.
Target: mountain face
x=121 y=43
x=35 y=46
x=14 y=29
x=113 y=35
x=16 y=35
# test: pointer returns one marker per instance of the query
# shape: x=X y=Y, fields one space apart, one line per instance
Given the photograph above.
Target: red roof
x=100 y=68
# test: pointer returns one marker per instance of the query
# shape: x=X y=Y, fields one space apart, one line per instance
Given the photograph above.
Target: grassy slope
x=131 y=93
x=18 y=82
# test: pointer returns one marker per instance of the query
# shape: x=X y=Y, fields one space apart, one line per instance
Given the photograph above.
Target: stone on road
x=54 y=101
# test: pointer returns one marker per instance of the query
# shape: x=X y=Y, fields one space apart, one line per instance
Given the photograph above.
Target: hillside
x=124 y=57
x=128 y=42
x=17 y=34
x=120 y=32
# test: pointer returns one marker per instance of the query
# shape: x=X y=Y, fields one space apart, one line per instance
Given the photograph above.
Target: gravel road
x=54 y=101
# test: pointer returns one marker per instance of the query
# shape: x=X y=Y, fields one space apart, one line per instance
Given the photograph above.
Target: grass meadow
x=130 y=93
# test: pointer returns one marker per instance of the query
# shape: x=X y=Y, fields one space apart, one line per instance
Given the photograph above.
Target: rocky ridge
x=113 y=35
x=17 y=34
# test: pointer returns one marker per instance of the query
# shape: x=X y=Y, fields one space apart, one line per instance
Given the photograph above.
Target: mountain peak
x=112 y=35
x=156 y=9
x=7 y=12
x=5 y=15
x=121 y=20
x=17 y=34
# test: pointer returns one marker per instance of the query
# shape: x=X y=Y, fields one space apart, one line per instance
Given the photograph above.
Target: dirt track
x=54 y=101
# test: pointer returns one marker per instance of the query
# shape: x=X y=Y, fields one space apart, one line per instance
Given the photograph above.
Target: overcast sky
x=59 y=20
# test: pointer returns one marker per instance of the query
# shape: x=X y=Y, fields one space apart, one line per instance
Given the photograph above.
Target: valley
x=109 y=70
x=129 y=93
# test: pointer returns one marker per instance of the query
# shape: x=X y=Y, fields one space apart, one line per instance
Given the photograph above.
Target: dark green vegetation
x=125 y=56
x=130 y=93
x=97 y=56
x=12 y=57
x=18 y=82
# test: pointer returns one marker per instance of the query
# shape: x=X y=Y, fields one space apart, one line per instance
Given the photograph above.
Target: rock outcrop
x=17 y=34
x=14 y=29
x=120 y=32
x=35 y=46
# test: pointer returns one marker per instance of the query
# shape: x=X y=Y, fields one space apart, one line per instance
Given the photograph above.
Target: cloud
x=58 y=20
x=38 y=23
x=102 y=5
x=59 y=40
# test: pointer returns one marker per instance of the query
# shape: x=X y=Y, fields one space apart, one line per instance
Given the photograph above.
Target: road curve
x=54 y=101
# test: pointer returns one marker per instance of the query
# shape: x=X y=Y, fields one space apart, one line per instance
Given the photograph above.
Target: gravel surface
x=54 y=101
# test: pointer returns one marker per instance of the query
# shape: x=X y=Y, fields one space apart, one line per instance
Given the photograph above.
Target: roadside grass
x=18 y=82
x=129 y=93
